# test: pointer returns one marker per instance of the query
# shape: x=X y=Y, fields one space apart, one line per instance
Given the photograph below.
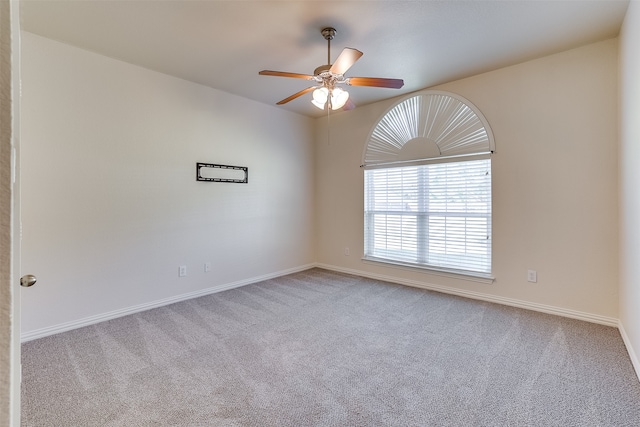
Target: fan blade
x=295 y=95
x=347 y=58
x=285 y=74
x=375 y=82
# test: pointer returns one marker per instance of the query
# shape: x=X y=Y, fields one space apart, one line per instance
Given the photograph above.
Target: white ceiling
x=223 y=44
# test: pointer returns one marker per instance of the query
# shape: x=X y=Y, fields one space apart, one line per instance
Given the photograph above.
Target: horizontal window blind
x=435 y=215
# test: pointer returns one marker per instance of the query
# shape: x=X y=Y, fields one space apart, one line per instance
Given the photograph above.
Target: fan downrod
x=328 y=33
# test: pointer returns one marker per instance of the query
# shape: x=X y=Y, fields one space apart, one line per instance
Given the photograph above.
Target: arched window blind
x=428 y=185
x=428 y=126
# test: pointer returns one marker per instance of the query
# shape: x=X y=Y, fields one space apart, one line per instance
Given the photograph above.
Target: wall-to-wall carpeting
x=320 y=348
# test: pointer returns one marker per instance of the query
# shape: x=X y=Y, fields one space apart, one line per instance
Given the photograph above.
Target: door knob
x=28 y=280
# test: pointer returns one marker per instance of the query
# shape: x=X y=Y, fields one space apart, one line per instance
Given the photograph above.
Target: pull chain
x=328 y=124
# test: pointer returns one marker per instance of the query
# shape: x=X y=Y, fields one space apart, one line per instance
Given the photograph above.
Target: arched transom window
x=428 y=185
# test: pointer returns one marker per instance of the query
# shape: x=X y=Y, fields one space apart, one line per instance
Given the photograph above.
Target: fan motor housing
x=321 y=69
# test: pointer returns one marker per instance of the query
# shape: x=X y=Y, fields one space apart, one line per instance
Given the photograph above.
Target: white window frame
x=472 y=261
x=425 y=128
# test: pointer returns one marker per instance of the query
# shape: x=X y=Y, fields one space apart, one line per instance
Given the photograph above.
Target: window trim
x=432 y=161
x=483 y=276
x=472 y=276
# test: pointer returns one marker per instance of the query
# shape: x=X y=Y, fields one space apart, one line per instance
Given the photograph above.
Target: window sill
x=455 y=274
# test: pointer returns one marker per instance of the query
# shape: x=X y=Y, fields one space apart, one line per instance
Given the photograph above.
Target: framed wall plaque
x=222 y=173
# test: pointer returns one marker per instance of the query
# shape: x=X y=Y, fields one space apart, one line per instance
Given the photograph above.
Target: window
x=427 y=185
x=435 y=215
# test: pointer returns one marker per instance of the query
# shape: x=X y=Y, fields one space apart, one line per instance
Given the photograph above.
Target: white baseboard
x=91 y=320
x=632 y=354
x=559 y=311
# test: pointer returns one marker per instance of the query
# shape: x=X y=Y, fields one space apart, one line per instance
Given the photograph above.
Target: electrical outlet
x=207 y=267
x=347 y=252
x=182 y=271
x=532 y=276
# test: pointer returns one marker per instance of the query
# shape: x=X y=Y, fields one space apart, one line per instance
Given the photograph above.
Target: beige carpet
x=320 y=348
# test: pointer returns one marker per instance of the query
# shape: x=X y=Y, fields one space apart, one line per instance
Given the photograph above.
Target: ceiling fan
x=326 y=92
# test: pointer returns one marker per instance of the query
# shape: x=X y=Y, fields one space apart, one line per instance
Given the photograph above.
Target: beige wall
x=110 y=204
x=630 y=182
x=555 y=199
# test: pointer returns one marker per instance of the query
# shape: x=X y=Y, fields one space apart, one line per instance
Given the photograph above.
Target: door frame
x=10 y=54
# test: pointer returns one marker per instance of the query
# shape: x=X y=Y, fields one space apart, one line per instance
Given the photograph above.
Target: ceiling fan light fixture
x=317 y=104
x=339 y=97
x=320 y=95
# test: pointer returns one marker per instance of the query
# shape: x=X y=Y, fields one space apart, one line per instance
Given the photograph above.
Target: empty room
x=320 y=213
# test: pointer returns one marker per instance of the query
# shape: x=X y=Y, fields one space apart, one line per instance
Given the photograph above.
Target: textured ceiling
x=223 y=44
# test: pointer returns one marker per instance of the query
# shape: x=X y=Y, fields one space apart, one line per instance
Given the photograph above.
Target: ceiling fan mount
x=328 y=33
x=328 y=76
